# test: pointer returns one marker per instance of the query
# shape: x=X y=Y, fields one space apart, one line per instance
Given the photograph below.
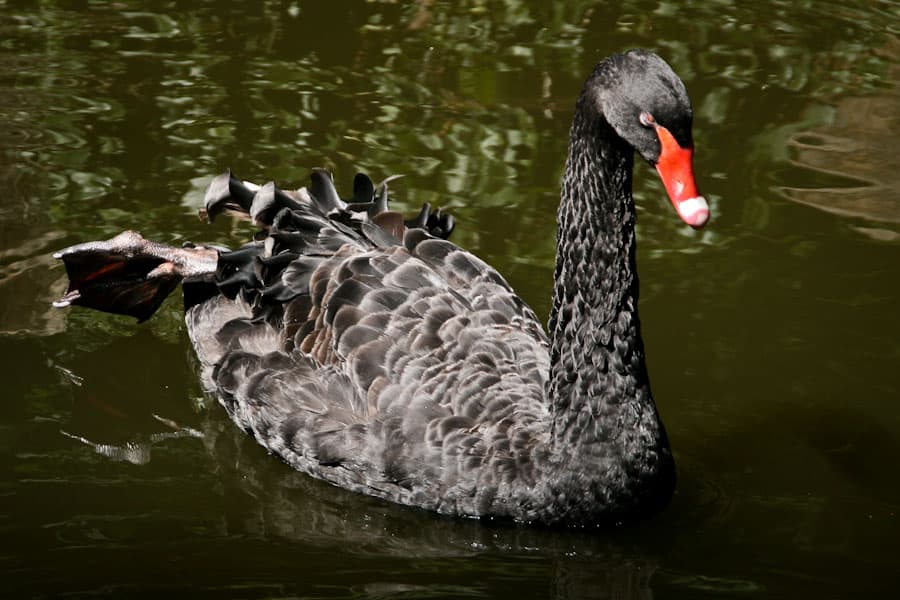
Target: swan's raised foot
x=129 y=275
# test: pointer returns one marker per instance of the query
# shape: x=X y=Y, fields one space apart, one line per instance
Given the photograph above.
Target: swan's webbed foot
x=128 y=274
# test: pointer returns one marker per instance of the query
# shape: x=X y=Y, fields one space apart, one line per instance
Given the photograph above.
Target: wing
x=402 y=368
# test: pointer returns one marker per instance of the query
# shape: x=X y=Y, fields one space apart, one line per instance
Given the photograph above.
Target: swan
x=374 y=354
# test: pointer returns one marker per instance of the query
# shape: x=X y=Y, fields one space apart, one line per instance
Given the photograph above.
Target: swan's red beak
x=677 y=174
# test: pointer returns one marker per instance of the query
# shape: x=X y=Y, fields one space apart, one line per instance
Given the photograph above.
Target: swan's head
x=646 y=103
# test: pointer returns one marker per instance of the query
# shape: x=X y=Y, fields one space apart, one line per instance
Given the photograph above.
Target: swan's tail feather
x=129 y=275
x=437 y=223
x=264 y=205
x=227 y=193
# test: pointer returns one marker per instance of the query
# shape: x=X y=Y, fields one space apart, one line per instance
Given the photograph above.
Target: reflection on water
x=771 y=335
x=137 y=452
x=854 y=148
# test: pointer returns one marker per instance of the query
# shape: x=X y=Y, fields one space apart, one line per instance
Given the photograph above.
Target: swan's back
x=401 y=368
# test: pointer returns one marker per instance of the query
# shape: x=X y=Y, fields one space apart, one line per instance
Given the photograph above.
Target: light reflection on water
x=771 y=335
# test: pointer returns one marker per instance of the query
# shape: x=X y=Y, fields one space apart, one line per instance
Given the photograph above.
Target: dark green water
x=773 y=335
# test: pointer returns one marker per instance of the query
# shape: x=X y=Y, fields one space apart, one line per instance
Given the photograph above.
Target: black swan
x=371 y=353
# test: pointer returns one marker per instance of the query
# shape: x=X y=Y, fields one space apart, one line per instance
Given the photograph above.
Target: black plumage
x=374 y=354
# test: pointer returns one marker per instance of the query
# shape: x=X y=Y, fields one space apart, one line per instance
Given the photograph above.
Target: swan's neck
x=604 y=418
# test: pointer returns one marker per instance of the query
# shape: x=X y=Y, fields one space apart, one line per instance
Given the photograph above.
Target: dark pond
x=773 y=336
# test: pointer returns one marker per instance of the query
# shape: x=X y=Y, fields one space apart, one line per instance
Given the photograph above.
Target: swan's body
x=388 y=361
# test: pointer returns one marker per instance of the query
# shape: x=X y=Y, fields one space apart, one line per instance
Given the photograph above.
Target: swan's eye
x=647 y=119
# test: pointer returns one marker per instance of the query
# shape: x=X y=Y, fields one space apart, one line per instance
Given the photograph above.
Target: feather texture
x=368 y=351
x=392 y=367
